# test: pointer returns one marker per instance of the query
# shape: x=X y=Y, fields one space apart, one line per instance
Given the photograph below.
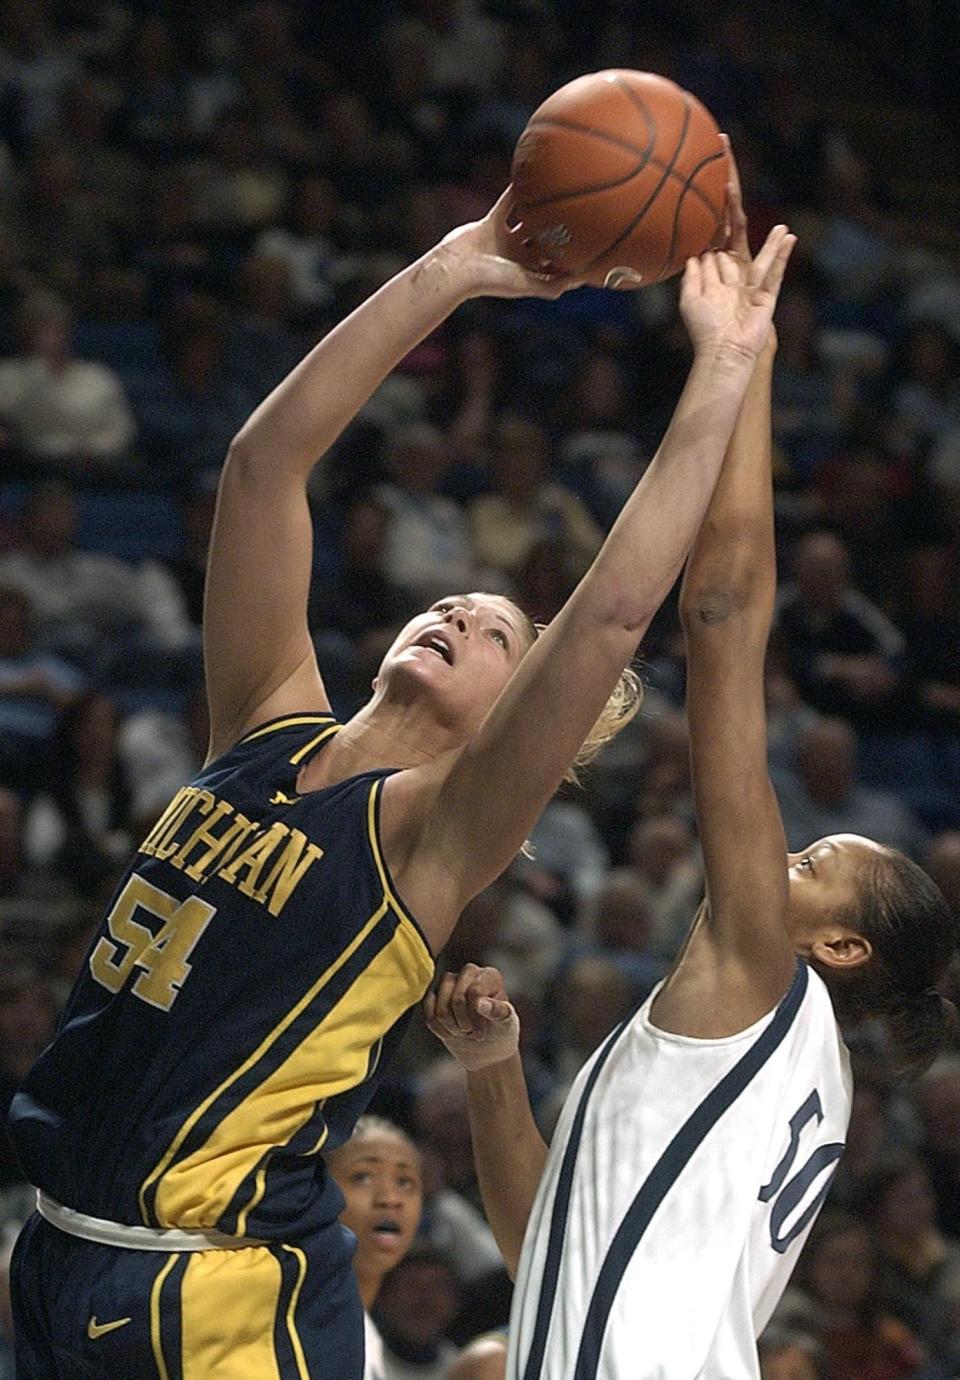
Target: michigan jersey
x=252 y=973
x=683 y=1178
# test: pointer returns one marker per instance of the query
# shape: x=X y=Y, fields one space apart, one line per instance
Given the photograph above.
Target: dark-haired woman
x=699 y=1142
x=919 y=1266
x=839 y=1281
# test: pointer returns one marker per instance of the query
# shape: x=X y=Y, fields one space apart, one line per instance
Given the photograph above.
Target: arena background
x=189 y=197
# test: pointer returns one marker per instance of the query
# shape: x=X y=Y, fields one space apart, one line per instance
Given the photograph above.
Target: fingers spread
x=708 y=267
x=692 y=285
x=768 y=253
x=774 y=274
x=728 y=270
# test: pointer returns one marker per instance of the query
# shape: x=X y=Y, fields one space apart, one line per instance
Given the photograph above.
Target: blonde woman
x=254 y=967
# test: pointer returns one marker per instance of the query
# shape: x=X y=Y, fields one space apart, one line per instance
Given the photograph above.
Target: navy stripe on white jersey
x=683 y=1178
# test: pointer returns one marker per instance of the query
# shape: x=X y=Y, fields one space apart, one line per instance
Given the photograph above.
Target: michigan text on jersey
x=266 y=864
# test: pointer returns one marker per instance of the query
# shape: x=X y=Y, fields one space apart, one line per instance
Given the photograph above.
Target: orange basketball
x=617 y=170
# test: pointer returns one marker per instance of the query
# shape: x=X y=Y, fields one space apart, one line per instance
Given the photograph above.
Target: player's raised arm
x=471 y=1013
x=259 y=656
x=488 y=801
x=726 y=606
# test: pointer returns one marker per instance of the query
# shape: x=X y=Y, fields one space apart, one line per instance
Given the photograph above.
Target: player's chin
x=385 y=1246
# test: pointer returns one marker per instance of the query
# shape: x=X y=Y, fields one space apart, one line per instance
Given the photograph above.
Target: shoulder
x=292 y=738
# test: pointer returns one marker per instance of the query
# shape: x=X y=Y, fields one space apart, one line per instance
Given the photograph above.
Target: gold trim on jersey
x=292 y=1308
x=156 y=1335
x=294 y=722
x=302 y=752
x=396 y=904
x=229 y=1302
x=333 y=1058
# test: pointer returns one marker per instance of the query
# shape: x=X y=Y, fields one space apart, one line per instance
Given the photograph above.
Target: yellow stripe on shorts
x=228 y=1308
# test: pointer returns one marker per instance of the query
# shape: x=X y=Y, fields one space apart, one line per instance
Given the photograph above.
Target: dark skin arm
x=739 y=960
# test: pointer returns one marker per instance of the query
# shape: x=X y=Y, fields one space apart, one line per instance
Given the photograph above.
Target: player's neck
x=376 y=737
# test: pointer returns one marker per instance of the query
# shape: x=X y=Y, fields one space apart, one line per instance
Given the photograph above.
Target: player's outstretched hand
x=726 y=305
x=472 y=1015
x=479 y=254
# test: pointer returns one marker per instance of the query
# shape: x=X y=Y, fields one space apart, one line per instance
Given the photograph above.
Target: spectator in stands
x=664 y=787
x=938 y=1103
x=428 y=548
x=35 y=66
x=873 y=1136
x=306 y=243
x=664 y=861
x=198 y=501
x=926 y=400
x=853 y=250
x=943 y=864
x=91 y=607
x=932 y=628
x=355 y=613
x=264 y=347
x=27 y=1021
x=861 y=496
x=592 y=994
x=484 y=1359
x=190 y=409
x=236 y=189
x=526 y=508
x=49 y=225
x=36 y=688
x=919 y=1266
x=786 y=1354
x=567 y=862
x=807 y=408
x=153 y=114
x=442 y=1125
x=838 y=1284
x=822 y=796
x=63 y=411
x=110 y=181
x=418 y=1302
x=600 y=456
x=378 y=1171
x=843 y=653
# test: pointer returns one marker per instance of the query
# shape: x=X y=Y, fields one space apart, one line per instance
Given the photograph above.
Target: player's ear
x=375 y=682
x=842 y=949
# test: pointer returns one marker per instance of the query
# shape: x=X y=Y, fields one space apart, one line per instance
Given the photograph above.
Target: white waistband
x=136 y=1238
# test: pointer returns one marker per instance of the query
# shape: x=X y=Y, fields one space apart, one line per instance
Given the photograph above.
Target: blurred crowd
x=189 y=198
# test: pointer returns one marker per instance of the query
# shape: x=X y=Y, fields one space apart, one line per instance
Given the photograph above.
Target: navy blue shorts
x=276 y=1312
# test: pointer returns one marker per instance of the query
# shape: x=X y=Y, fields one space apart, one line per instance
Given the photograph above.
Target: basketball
x=618 y=173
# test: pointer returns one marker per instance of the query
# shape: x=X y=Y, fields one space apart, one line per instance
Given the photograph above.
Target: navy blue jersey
x=253 y=971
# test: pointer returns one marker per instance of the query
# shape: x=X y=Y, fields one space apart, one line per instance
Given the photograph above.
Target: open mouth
x=438 y=643
x=387 y=1232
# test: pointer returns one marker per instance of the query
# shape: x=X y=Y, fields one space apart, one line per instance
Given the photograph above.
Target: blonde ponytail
x=622 y=706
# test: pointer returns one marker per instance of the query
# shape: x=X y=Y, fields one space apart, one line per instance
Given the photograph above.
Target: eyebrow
x=384 y=1159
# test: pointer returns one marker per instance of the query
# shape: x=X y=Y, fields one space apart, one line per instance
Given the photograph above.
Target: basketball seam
x=588 y=129
x=581 y=191
x=629 y=229
x=638 y=104
x=685 y=183
x=648 y=160
x=688 y=187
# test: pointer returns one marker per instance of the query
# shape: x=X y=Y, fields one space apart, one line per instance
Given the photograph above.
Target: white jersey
x=682 y=1181
x=373 y=1363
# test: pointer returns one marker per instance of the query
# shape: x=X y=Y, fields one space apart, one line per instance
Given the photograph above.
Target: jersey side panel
x=253 y=966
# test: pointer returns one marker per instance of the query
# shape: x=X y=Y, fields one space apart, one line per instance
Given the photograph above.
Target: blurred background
x=190 y=196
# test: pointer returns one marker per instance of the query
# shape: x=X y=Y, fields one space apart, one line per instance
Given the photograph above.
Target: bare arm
x=259 y=656
x=471 y=1014
x=487 y=802
x=726 y=606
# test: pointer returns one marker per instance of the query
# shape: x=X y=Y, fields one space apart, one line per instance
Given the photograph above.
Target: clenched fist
x=472 y=1015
